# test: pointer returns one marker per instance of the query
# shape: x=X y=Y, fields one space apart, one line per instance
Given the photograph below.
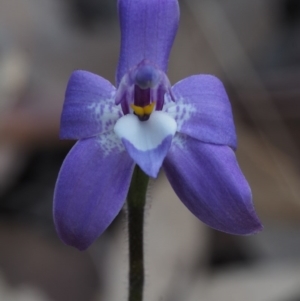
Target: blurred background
x=254 y=48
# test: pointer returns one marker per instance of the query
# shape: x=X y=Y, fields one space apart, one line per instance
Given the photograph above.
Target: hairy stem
x=136 y=200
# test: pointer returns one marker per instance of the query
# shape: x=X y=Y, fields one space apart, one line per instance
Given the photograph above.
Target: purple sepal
x=89 y=107
x=90 y=191
x=208 y=180
x=149 y=161
x=203 y=110
x=148 y=30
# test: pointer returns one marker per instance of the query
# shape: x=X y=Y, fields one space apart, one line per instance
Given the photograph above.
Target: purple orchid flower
x=187 y=129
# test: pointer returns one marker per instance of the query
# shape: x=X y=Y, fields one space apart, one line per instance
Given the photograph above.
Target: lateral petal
x=148 y=29
x=91 y=189
x=209 y=182
x=89 y=107
x=147 y=142
x=202 y=110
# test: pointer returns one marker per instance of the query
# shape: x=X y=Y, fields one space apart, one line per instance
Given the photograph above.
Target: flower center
x=143 y=112
x=142 y=90
x=143 y=104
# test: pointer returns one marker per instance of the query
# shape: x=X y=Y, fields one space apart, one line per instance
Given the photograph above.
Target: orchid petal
x=147 y=142
x=89 y=107
x=91 y=189
x=202 y=110
x=148 y=30
x=209 y=182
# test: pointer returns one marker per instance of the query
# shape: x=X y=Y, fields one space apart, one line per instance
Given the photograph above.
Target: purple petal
x=202 y=110
x=89 y=107
x=90 y=191
x=209 y=182
x=148 y=29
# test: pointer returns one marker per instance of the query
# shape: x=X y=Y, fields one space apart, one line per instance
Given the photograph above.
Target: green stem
x=136 y=200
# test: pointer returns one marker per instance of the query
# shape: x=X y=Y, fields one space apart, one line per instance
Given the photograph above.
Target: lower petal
x=147 y=142
x=90 y=191
x=209 y=182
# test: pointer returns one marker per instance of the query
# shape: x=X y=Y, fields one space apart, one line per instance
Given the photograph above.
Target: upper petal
x=202 y=110
x=148 y=29
x=91 y=189
x=209 y=182
x=89 y=107
x=147 y=142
